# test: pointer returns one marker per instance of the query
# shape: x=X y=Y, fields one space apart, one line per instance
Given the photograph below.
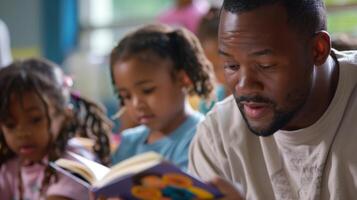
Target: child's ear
x=321 y=48
x=184 y=79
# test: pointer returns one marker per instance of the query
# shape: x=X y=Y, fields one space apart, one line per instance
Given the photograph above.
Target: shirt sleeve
x=67 y=187
x=204 y=159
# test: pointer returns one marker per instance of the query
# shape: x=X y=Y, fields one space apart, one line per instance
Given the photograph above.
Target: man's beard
x=280 y=118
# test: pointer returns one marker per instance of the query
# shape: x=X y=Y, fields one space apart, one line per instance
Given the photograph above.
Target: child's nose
x=23 y=132
x=137 y=102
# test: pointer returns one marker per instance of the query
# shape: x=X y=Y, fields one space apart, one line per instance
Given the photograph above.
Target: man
x=289 y=129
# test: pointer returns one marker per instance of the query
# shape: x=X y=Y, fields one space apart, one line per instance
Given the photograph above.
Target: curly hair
x=179 y=45
x=47 y=80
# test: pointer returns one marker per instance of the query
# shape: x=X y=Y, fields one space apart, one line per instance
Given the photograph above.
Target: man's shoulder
x=225 y=121
x=227 y=104
x=225 y=110
x=348 y=59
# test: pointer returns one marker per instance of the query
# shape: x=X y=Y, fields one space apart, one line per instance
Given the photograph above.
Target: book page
x=98 y=170
x=112 y=175
x=131 y=165
x=74 y=167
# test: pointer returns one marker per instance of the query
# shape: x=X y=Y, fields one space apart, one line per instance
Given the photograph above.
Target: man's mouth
x=255 y=111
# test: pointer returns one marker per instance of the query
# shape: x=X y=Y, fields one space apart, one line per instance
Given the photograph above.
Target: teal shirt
x=174 y=147
x=220 y=94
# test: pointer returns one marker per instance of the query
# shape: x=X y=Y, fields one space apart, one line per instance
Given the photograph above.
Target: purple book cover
x=163 y=181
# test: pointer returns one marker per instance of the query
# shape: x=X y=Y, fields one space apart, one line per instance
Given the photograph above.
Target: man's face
x=267 y=65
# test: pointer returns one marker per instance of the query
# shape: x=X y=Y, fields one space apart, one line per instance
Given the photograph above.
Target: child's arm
x=66 y=188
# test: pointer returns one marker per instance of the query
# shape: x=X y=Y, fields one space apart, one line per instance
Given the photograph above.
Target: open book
x=145 y=176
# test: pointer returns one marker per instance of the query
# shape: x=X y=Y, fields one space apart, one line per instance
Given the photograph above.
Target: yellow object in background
x=194 y=101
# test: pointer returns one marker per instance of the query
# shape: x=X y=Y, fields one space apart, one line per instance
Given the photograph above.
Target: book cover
x=136 y=179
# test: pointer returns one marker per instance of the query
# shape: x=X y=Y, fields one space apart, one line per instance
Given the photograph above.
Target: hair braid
x=93 y=123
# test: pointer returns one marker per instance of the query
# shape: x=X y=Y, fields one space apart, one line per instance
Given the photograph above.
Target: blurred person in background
x=185 y=13
x=5 y=51
x=208 y=35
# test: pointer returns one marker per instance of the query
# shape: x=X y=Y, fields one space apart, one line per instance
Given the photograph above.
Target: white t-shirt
x=317 y=162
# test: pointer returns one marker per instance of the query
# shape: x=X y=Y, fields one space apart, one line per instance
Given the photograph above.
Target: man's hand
x=228 y=190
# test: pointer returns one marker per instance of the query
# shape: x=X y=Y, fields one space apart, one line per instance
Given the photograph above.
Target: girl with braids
x=36 y=123
x=153 y=70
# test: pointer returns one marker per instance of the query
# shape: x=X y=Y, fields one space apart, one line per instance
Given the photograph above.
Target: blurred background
x=79 y=34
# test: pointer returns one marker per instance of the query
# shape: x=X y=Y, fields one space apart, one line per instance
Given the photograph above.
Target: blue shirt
x=174 y=147
x=220 y=94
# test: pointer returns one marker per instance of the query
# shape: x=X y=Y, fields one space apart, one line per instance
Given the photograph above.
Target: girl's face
x=26 y=130
x=151 y=93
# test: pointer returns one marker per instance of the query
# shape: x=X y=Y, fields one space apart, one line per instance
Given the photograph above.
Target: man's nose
x=248 y=81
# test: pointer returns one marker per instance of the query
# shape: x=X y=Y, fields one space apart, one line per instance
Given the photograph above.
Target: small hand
x=91 y=197
x=228 y=190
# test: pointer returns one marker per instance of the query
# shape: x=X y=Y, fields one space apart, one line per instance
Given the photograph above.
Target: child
x=153 y=69
x=185 y=13
x=36 y=122
x=208 y=35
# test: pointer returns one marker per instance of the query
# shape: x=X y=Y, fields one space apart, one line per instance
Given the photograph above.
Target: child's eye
x=10 y=125
x=149 y=90
x=231 y=67
x=35 y=120
x=125 y=96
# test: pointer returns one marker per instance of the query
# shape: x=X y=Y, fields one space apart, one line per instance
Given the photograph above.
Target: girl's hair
x=47 y=80
x=179 y=45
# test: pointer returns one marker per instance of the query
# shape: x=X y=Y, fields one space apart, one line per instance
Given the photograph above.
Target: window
x=342 y=16
x=104 y=22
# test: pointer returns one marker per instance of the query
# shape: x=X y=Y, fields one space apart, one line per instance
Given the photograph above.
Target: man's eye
x=266 y=66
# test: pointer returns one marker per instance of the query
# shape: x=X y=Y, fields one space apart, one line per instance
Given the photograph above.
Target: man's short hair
x=306 y=16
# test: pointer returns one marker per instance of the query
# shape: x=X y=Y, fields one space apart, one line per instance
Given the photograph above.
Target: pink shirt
x=32 y=177
x=188 y=17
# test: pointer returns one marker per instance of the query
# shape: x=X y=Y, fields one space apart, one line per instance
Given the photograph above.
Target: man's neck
x=322 y=92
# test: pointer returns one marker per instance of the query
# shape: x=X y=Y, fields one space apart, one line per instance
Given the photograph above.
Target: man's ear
x=321 y=47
